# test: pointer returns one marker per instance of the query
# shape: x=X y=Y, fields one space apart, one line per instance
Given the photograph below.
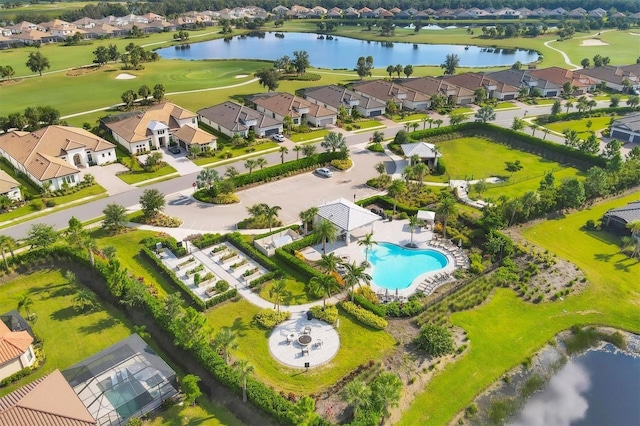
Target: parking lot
x=293 y=194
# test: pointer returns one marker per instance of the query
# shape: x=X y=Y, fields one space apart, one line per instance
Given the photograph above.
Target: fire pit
x=304 y=340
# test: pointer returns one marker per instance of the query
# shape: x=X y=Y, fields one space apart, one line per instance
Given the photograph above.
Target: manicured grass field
x=50 y=9
x=69 y=336
x=205 y=412
x=358 y=345
x=369 y=124
x=297 y=293
x=505 y=331
x=580 y=126
x=304 y=137
x=621 y=48
x=412 y=117
x=235 y=152
x=140 y=176
x=476 y=158
x=128 y=251
x=505 y=105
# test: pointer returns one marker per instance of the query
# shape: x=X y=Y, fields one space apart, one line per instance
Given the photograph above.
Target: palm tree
x=546 y=132
x=420 y=169
x=396 y=189
x=270 y=213
x=569 y=104
x=357 y=394
x=325 y=285
x=89 y=243
x=9 y=243
x=297 y=150
x=386 y=389
x=261 y=162
x=438 y=122
x=24 y=303
x=278 y=291
x=250 y=164
x=380 y=168
x=329 y=263
x=326 y=232
x=208 y=177
x=447 y=208
x=309 y=150
x=307 y=217
x=244 y=369
x=355 y=274
x=231 y=172
x=534 y=127
x=413 y=224
x=84 y=300
x=288 y=123
x=334 y=141
x=225 y=341
x=368 y=242
x=283 y=151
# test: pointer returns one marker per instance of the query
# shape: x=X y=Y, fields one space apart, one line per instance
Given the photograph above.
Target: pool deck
x=395 y=232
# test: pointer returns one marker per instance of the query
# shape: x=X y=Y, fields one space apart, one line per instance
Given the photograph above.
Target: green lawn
x=476 y=158
x=462 y=110
x=297 y=293
x=505 y=331
x=68 y=335
x=304 y=137
x=133 y=177
x=621 y=48
x=408 y=118
x=368 y=124
x=505 y=105
x=358 y=345
x=580 y=126
x=128 y=251
x=205 y=412
x=235 y=152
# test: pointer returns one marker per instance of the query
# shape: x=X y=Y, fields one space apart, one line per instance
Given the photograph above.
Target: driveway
x=106 y=177
x=293 y=195
x=180 y=162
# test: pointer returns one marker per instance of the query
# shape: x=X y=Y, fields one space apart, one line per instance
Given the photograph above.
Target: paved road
x=293 y=194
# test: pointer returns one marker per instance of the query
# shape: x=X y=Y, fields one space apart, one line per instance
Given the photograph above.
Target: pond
x=599 y=387
x=342 y=52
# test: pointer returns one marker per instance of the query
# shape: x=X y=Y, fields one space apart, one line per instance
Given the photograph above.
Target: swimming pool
x=396 y=267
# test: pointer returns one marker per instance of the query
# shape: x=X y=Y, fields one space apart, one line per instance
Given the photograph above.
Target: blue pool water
x=395 y=267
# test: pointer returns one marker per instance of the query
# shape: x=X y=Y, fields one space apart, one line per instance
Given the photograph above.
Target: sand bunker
x=242 y=75
x=593 y=42
x=125 y=76
x=634 y=33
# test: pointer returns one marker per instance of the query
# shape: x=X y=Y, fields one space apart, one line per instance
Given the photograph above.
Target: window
x=102 y=155
x=69 y=179
x=29 y=355
x=193 y=120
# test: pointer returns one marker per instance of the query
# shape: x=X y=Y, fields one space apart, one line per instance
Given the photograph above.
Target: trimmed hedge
x=269 y=318
x=207 y=240
x=364 y=316
x=248 y=249
x=327 y=314
x=168 y=242
x=586 y=114
x=363 y=302
x=387 y=203
x=264 y=278
x=297 y=264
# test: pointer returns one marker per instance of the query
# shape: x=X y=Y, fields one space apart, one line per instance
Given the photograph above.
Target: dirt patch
x=77 y=72
x=590 y=42
x=125 y=76
x=10 y=82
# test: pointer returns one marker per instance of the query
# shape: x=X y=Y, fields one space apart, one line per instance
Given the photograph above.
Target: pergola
x=346 y=216
x=427 y=216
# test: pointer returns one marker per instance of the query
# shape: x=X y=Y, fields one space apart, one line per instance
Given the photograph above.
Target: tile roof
x=421 y=149
x=286 y=104
x=39 y=151
x=474 y=80
x=436 y=86
x=612 y=74
x=560 y=76
x=381 y=89
x=627 y=213
x=47 y=401
x=134 y=127
x=7 y=183
x=13 y=343
x=630 y=122
x=232 y=116
x=346 y=215
x=336 y=96
x=194 y=136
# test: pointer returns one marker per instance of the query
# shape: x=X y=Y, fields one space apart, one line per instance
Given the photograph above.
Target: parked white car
x=278 y=137
x=324 y=172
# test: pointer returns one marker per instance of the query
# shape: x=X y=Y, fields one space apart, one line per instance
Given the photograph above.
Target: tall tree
x=190 y=388
x=413 y=224
x=277 y=292
x=357 y=394
x=447 y=208
x=301 y=61
x=268 y=77
x=283 y=151
x=115 y=218
x=325 y=232
x=152 y=202
x=225 y=341
x=355 y=275
x=37 y=62
x=328 y=263
x=7 y=243
x=25 y=302
x=395 y=190
x=158 y=92
x=325 y=285
x=368 y=242
x=307 y=217
x=364 y=66
x=244 y=369
x=41 y=235
x=333 y=141
x=485 y=114
x=386 y=389
x=450 y=64
x=408 y=70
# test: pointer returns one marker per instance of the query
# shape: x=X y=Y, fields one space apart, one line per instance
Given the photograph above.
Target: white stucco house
x=54 y=154
x=232 y=119
x=16 y=351
x=9 y=186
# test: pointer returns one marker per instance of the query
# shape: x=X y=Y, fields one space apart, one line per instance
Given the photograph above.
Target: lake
x=599 y=387
x=342 y=52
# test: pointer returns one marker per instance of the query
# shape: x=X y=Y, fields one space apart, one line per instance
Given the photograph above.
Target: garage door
x=509 y=97
x=325 y=121
x=621 y=135
x=183 y=145
x=271 y=132
x=375 y=113
x=552 y=94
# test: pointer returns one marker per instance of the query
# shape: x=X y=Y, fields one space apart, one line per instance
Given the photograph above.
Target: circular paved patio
x=286 y=349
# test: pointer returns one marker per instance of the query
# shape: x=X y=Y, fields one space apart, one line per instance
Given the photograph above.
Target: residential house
x=46 y=401
x=34 y=36
x=281 y=105
x=22 y=26
x=334 y=13
x=54 y=153
x=16 y=352
x=558 y=12
x=627 y=128
x=523 y=79
x=333 y=97
x=560 y=76
x=438 y=86
x=598 y=13
x=130 y=369
x=351 y=13
x=366 y=13
x=9 y=187
x=426 y=152
x=577 y=13
x=384 y=91
x=280 y=10
x=424 y=14
x=155 y=128
x=59 y=28
x=616 y=220
x=233 y=119
x=524 y=12
x=473 y=81
x=614 y=76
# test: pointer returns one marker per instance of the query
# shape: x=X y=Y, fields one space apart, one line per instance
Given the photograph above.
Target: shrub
x=50 y=203
x=342 y=164
x=435 y=340
x=376 y=147
x=226 y=198
x=363 y=302
x=364 y=316
x=327 y=314
x=222 y=286
x=268 y=318
x=207 y=240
